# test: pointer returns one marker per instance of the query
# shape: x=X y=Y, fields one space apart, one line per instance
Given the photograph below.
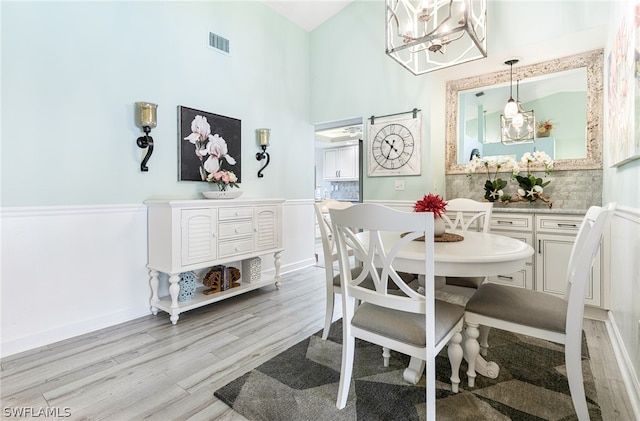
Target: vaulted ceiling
x=307 y=14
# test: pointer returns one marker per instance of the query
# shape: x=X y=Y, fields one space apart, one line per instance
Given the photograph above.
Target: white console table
x=186 y=235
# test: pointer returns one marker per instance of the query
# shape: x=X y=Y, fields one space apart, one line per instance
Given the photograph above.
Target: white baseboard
x=629 y=376
x=292 y=267
x=55 y=334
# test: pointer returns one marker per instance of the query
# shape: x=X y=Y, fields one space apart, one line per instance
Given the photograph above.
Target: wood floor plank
x=133 y=402
x=249 y=353
x=149 y=368
x=612 y=395
x=85 y=358
x=21 y=388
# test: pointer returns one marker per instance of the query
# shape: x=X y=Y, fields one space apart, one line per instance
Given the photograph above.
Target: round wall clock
x=394 y=148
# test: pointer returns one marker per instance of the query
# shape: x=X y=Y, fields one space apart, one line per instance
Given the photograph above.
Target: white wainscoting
x=624 y=318
x=298 y=226
x=401 y=205
x=70 y=270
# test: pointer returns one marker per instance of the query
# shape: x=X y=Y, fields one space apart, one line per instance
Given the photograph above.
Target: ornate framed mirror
x=580 y=145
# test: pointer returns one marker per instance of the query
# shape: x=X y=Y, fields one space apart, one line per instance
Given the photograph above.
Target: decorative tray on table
x=447 y=237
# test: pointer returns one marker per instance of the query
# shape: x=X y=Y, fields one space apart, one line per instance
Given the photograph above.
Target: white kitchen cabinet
x=341 y=163
x=555 y=235
x=552 y=236
x=520 y=227
x=187 y=235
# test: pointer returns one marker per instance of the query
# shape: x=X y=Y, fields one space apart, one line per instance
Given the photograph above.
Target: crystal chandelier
x=428 y=35
x=516 y=124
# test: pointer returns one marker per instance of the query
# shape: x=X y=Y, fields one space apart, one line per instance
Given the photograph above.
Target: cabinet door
x=348 y=162
x=266 y=228
x=552 y=258
x=341 y=163
x=198 y=229
x=331 y=164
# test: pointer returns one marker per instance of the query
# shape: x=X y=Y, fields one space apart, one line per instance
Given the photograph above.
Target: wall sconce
x=263 y=141
x=146 y=119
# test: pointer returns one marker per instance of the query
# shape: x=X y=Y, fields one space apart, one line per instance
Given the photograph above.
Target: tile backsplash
x=345 y=190
x=575 y=189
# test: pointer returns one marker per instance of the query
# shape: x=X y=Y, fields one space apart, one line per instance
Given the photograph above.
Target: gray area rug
x=301 y=383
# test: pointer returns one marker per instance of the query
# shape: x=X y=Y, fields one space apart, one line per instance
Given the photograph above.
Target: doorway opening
x=338 y=160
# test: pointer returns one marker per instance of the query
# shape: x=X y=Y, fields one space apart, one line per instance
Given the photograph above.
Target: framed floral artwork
x=624 y=89
x=207 y=143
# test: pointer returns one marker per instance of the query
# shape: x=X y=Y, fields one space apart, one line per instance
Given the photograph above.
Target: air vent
x=218 y=43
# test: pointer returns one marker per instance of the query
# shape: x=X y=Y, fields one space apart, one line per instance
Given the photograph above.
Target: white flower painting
x=208 y=143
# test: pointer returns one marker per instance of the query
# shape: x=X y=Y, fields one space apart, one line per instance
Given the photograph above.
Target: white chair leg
x=484 y=340
x=471 y=351
x=454 y=350
x=345 y=371
x=386 y=355
x=573 y=362
x=328 y=313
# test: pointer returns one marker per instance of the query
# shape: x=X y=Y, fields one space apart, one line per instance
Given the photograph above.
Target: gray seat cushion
x=465 y=281
x=521 y=306
x=403 y=326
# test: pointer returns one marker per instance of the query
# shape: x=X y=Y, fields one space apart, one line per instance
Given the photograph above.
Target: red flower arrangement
x=431 y=203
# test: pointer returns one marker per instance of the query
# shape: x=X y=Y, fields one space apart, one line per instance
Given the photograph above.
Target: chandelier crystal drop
x=428 y=35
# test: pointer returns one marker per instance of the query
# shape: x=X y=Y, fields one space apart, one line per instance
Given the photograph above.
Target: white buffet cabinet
x=187 y=235
x=552 y=236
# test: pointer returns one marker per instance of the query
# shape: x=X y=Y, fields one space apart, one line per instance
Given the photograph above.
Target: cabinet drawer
x=509 y=221
x=235 y=229
x=235 y=213
x=558 y=224
x=229 y=248
x=520 y=279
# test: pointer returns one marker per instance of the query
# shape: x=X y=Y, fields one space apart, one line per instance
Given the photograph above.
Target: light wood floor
x=148 y=368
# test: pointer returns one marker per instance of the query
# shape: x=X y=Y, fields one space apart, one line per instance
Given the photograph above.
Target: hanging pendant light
x=511 y=109
x=427 y=35
x=519 y=128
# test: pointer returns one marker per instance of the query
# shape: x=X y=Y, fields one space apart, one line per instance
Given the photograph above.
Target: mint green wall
x=351 y=76
x=570 y=129
x=71 y=72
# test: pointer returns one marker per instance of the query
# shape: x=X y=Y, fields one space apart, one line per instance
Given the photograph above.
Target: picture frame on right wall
x=623 y=84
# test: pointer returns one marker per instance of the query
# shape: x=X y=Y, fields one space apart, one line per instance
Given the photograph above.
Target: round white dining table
x=477 y=254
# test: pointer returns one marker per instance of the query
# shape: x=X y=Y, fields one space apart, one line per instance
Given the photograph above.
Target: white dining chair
x=541 y=315
x=332 y=279
x=403 y=319
x=463 y=214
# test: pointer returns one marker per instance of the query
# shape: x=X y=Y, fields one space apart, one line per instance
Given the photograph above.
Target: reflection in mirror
x=560 y=98
x=566 y=91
